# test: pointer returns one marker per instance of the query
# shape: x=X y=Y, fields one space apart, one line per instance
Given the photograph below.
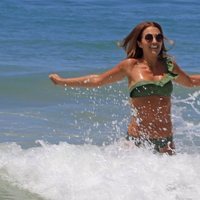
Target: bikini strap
x=170 y=66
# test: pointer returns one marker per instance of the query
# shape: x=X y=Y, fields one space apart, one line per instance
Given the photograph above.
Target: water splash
x=88 y=172
x=193 y=100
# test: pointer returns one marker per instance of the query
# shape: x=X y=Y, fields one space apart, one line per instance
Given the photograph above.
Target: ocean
x=61 y=143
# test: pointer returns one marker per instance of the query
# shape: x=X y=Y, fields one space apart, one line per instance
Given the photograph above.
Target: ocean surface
x=66 y=143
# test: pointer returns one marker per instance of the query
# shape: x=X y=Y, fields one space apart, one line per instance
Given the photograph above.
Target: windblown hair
x=130 y=43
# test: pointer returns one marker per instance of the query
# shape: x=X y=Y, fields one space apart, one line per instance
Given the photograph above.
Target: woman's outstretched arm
x=186 y=79
x=195 y=79
x=94 y=80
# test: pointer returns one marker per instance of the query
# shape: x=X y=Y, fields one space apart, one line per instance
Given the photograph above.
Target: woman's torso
x=150 y=92
x=152 y=117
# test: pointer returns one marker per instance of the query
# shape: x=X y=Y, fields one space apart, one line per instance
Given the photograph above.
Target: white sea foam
x=116 y=171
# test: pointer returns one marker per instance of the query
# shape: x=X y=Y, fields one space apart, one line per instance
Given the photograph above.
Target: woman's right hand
x=55 y=78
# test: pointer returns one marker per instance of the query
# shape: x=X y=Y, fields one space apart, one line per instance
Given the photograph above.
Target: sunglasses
x=149 y=37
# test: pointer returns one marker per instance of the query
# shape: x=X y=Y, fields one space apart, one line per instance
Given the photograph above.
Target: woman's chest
x=145 y=73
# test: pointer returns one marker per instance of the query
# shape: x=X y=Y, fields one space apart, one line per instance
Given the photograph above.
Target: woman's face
x=151 y=41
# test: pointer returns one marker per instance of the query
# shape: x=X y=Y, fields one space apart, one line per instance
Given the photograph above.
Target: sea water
x=66 y=143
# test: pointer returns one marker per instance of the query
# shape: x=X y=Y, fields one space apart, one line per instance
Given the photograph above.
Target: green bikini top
x=163 y=87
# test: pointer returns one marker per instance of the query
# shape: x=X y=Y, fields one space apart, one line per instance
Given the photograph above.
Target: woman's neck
x=151 y=61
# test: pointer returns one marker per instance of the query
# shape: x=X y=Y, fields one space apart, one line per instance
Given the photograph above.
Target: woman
x=150 y=73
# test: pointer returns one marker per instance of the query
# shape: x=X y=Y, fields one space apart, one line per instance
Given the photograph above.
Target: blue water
x=65 y=143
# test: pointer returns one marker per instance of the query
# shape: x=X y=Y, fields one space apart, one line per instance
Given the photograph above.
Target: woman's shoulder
x=128 y=63
x=131 y=61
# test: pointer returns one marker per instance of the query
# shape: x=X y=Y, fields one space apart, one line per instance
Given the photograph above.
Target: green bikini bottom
x=156 y=143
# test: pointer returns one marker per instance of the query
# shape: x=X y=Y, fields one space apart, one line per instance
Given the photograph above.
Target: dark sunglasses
x=149 y=37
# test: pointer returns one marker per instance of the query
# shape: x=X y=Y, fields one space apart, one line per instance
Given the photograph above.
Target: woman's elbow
x=194 y=82
x=94 y=81
x=98 y=82
x=191 y=83
x=186 y=82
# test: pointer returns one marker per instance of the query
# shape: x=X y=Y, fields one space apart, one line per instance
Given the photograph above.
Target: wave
x=117 y=171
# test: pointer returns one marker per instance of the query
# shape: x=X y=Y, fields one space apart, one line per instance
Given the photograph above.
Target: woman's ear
x=139 y=44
